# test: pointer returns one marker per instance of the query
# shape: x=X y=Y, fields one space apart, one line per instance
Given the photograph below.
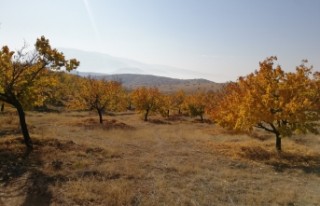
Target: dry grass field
x=127 y=161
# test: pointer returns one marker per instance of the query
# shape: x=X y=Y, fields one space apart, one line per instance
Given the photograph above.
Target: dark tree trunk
x=146 y=115
x=278 y=136
x=179 y=112
x=100 y=116
x=168 y=113
x=273 y=130
x=201 y=117
x=23 y=125
x=278 y=142
x=2 y=107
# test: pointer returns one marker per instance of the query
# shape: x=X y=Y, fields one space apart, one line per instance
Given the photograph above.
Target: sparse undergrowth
x=127 y=161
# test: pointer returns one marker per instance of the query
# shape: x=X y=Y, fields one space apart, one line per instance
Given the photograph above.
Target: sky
x=221 y=39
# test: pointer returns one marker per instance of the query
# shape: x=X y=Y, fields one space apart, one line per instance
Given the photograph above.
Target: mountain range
x=165 y=84
x=135 y=74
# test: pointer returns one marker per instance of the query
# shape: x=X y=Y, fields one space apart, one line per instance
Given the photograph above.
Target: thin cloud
x=91 y=18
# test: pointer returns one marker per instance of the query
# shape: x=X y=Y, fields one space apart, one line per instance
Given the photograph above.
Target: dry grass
x=126 y=161
x=294 y=155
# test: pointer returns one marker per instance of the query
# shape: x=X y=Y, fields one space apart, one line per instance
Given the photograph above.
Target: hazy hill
x=107 y=64
x=134 y=73
x=165 y=84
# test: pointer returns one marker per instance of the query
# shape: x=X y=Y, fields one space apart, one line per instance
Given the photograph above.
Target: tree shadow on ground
x=27 y=178
x=176 y=118
x=93 y=123
x=38 y=192
x=20 y=175
x=202 y=121
x=6 y=132
x=158 y=121
x=309 y=164
x=281 y=161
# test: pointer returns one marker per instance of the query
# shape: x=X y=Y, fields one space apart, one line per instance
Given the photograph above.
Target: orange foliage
x=147 y=100
x=271 y=99
x=99 y=95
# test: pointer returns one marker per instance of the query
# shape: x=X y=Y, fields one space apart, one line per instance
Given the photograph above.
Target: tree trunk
x=278 y=142
x=146 y=115
x=23 y=125
x=100 y=116
x=179 y=112
x=168 y=113
x=2 y=107
x=201 y=117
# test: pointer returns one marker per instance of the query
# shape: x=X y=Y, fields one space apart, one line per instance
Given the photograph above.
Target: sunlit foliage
x=25 y=75
x=196 y=104
x=279 y=102
x=99 y=95
x=147 y=100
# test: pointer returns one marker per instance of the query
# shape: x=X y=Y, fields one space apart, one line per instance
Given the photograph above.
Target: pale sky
x=220 y=38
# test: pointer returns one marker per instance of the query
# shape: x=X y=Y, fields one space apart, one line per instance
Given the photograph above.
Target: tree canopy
x=147 y=100
x=24 y=75
x=279 y=102
x=100 y=95
x=196 y=104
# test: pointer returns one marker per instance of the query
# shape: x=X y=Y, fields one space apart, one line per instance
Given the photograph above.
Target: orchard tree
x=47 y=89
x=178 y=99
x=165 y=105
x=271 y=99
x=196 y=104
x=223 y=111
x=100 y=95
x=146 y=100
x=23 y=75
x=212 y=97
x=66 y=90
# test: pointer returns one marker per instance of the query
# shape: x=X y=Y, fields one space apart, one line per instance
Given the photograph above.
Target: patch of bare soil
x=91 y=123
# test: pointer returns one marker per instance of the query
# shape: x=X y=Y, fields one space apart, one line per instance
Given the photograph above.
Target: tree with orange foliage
x=66 y=88
x=196 y=104
x=165 y=105
x=178 y=99
x=146 y=100
x=24 y=75
x=271 y=99
x=100 y=95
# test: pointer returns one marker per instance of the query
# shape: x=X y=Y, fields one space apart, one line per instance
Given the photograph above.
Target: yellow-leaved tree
x=66 y=87
x=165 y=105
x=24 y=75
x=196 y=104
x=100 y=95
x=278 y=102
x=178 y=99
x=146 y=100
